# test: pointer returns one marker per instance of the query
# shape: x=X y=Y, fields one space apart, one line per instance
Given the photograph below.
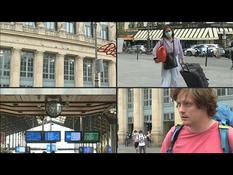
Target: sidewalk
x=145 y=73
x=131 y=149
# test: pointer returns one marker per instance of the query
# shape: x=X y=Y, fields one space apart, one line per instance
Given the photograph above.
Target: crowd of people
x=139 y=140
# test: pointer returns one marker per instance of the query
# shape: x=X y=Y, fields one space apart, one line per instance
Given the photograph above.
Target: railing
x=9 y=26
x=51 y=33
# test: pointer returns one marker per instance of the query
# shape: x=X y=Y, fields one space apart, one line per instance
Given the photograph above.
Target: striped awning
x=185 y=34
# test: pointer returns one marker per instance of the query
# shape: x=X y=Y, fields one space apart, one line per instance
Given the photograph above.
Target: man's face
x=189 y=113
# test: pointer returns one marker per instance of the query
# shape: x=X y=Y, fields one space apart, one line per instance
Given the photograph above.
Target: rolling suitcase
x=193 y=75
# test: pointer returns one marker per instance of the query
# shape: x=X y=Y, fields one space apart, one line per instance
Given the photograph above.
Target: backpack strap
x=223 y=131
x=174 y=137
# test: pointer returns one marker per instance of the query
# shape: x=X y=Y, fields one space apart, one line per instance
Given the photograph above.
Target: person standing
x=136 y=140
x=148 y=137
x=141 y=144
x=199 y=132
x=174 y=48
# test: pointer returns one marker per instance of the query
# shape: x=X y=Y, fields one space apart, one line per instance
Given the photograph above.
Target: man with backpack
x=141 y=142
x=199 y=133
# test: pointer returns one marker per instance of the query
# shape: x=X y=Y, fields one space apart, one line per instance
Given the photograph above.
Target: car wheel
x=189 y=53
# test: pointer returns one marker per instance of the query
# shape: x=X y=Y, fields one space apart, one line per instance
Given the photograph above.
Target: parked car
x=203 y=49
x=133 y=49
x=190 y=51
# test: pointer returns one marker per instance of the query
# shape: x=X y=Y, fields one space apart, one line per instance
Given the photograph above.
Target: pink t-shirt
x=207 y=141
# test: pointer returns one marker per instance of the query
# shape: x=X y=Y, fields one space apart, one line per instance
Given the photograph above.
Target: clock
x=53 y=108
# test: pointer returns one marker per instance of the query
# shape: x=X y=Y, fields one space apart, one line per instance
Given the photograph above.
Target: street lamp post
x=146 y=24
x=50 y=132
x=224 y=36
x=148 y=38
x=96 y=73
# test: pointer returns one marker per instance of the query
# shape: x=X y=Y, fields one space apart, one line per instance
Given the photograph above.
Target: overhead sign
x=42 y=136
x=72 y=136
x=33 y=136
x=52 y=136
x=91 y=136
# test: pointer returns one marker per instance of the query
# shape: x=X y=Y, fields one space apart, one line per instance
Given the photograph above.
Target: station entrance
x=59 y=120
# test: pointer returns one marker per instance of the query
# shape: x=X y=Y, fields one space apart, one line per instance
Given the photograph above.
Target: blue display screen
x=20 y=149
x=33 y=136
x=52 y=136
x=72 y=136
x=87 y=149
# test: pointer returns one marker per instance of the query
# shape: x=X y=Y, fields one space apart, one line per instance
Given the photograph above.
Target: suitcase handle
x=183 y=66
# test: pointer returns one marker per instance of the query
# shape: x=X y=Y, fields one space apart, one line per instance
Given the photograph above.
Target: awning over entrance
x=185 y=34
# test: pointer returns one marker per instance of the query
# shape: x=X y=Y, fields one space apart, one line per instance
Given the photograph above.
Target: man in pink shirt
x=200 y=133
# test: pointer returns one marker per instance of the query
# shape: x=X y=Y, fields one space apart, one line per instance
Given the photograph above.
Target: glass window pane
x=26 y=67
x=5 y=57
x=30 y=24
x=68 y=67
x=70 y=27
x=87 y=69
x=50 y=25
x=49 y=65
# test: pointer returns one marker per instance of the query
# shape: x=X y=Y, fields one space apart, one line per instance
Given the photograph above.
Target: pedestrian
x=200 y=133
x=148 y=138
x=127 y=138
x=141 y=144
x=136 y=140
x=174 y=50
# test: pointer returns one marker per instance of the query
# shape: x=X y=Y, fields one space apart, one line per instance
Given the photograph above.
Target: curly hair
x=204 y=98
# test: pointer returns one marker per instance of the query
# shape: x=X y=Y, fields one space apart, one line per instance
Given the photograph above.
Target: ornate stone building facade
x=56 y=54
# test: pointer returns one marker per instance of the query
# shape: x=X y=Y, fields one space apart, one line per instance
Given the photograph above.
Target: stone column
x=78 y=71
x=98 y=30
x=122 y=115
x=61 y=29
x=40 y=24
x=41 y=27
x=126 y=25
x=61 y=26
x=38 y=69
x=112 y=31
x=157 y=117
x=59 y=70
x=80 y=28
x=138 y=113
x=15 y=67
x=112 y=74
x=80 y=31
x=19 y=26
